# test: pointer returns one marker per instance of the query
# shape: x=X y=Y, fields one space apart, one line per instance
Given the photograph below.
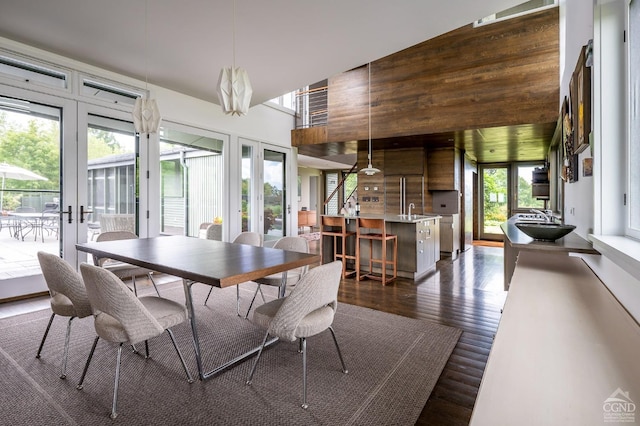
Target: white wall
x=594 y=204
x=305 y=173
x=576 y=30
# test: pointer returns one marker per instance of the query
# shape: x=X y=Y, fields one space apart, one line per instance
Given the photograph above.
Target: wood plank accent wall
x=499 y=74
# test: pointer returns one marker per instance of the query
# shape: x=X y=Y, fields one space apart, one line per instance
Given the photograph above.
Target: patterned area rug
x=394 y=363
x=311 y=236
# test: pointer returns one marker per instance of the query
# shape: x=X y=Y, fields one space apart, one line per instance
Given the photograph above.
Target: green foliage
x=102 y=143
x=34 y=147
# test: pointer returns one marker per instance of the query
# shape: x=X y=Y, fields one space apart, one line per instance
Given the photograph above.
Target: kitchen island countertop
x=391 y=217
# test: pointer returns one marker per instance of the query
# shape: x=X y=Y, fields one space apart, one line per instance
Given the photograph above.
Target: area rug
x=311 y=236
x=393 y=362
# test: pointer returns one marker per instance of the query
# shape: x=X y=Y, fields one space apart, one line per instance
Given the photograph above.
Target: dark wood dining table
x=197 y=260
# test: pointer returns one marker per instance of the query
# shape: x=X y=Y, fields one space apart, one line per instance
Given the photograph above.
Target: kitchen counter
x=391 y=218
x=418 y=242
x=565 y=353
x=516 y=240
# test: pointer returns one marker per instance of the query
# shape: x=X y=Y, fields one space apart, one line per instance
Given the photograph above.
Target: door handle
x=69 y=212
x=82 y=213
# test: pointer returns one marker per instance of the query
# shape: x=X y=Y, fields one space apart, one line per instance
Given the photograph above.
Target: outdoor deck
x=19 y=258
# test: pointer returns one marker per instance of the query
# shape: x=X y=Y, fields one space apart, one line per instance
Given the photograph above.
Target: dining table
x=195 y=260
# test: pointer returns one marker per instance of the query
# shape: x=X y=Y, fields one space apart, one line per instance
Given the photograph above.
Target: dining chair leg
x=255 y=363
x=86 y=366
x=184 y=365
x=135 y=289
x=154 y=283
x=303 y=341
x=114 y=404
x=259 y=289
x=146 y=349
x=335 y=340
x=238 y=300
x=63 y=372
x=46 y=332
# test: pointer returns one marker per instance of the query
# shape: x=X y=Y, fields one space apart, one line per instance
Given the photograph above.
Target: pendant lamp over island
x=369 y=170
x=234 y=88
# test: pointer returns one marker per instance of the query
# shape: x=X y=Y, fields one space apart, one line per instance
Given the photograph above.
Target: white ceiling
x=283 y=44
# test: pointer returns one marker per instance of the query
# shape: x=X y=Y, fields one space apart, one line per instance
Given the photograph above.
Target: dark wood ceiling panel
x=492 y=91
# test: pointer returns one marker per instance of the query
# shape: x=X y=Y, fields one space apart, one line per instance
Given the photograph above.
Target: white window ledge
x=621 y=250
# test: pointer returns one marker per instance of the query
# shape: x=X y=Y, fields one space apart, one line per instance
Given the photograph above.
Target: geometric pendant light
x=234 y=88
x=146 y=116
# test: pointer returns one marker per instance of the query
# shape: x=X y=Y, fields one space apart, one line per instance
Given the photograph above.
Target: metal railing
x=311 y=107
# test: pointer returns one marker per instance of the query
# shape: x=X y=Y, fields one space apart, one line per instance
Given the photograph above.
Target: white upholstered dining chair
x=248 y=238
x=121 y=269
x=308 y=310
x=120 y=317
x=298 y=244
x=68 y=297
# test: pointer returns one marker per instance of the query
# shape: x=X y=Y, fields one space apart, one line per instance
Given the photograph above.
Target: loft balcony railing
x=311 y=107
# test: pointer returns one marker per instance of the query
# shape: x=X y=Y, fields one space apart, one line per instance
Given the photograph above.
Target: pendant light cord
x=146 y=51
x=234 y=34
x=369 y=91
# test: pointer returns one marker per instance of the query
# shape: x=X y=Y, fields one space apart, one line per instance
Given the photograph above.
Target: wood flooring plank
x=450 y=295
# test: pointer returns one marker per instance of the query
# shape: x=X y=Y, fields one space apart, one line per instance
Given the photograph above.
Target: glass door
x=108 y=157
x=276 y=209
x=34 y=131
x=494 y=189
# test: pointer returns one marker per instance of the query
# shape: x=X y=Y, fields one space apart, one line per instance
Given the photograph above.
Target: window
x=530 y=195
x=633 y=204
x=33 y=73
x=350 y=187
x=522 y=9
x=114 y=93
x=191 y=178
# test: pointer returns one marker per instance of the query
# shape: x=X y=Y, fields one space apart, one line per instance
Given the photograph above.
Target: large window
x=530 y=195
x=633 y=205
x=192 y=180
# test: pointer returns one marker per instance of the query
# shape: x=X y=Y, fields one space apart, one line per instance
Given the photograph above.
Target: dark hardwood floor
x=466 y=293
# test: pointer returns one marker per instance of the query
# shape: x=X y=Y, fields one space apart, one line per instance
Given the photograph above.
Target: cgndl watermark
x=619 y=408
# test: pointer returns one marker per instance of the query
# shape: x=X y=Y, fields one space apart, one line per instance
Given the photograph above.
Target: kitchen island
x=516 y=240
x=418 y=242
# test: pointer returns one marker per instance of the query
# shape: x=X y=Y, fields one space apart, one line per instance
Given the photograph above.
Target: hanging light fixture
x=369 y=170
x=234 y=88
x=146 y=116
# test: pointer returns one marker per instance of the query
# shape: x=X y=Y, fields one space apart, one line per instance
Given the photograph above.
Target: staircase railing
x=338 y=187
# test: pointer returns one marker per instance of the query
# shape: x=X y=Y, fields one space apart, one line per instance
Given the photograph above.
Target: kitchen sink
x=545 y=231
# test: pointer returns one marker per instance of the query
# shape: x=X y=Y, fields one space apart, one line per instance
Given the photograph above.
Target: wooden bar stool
x=336 y=227
x=376 y=231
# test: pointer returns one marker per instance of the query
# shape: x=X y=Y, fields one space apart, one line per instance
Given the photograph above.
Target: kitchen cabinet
x=443 y=169
x=418 y=246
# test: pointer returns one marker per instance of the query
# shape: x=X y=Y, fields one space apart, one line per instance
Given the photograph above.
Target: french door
x=265 y=199
x=85 y=159
x=495 y=199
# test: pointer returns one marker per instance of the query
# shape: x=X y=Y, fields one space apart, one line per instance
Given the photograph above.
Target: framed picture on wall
x=581 y=103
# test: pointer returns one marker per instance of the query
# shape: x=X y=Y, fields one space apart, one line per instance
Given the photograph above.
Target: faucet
x=546 y=214
x=411 y=205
